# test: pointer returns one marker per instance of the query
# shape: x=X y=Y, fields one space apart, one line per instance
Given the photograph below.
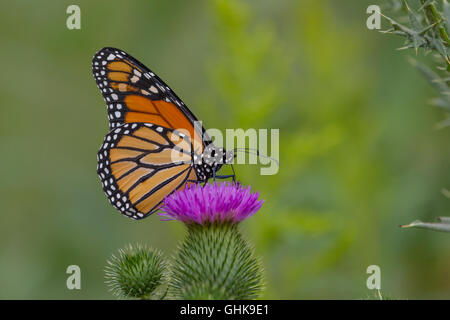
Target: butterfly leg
x=234 y=174
x=225 y=176
x=215 y=176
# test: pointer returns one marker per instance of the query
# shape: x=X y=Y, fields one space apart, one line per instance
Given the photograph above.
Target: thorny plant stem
x=434 y=18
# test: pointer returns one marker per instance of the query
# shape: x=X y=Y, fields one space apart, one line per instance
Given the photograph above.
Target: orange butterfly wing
x=134 y=94
x=140 y=164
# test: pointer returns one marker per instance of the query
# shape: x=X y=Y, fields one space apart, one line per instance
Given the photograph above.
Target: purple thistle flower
x=218 y=202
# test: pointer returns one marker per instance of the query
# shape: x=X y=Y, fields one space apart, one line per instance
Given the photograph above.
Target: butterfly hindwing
x=140 y=164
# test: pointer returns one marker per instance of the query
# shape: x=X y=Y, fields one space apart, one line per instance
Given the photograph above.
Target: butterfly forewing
x=133 y=93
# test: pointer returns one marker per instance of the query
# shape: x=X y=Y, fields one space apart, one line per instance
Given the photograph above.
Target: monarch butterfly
x=155 y=145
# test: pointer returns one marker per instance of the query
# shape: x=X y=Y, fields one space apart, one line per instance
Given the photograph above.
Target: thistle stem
x=434 y=18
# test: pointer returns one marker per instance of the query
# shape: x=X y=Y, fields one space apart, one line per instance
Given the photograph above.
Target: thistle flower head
x=136 y=272
x=212 y=203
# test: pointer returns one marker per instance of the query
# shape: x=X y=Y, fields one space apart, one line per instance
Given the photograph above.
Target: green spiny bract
x=215 y=262
x=136 y=272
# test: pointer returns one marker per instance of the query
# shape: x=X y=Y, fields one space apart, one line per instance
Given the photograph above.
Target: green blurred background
x=359 y=152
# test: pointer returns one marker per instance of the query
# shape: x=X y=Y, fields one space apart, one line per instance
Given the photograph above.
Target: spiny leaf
x=441 y=103
x=442 y=225
x=413 y=35
x=431 y=76
x=413 y=18
x=427 y=28
x=425 y=4
x=439 y=45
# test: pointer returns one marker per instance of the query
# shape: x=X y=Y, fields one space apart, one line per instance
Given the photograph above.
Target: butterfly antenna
x=255 y=152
